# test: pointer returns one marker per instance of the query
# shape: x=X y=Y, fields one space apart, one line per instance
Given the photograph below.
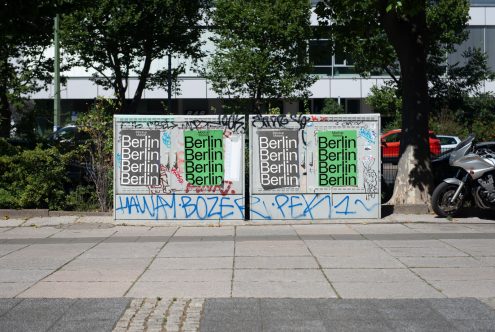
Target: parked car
x=391 y=143
x=67 y=138
x=448 y=142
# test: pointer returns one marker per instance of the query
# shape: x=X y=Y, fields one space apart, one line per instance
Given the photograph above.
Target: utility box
x=312 y=167
x=179 y=167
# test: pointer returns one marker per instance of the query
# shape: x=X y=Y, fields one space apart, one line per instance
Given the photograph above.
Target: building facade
x=336 y=78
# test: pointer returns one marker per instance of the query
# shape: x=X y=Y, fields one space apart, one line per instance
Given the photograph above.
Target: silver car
x=448 y=142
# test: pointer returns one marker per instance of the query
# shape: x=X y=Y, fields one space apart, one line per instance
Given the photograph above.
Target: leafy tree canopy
x=400 y=36
x=261 y=49
x=118 y=39
x=26 y=31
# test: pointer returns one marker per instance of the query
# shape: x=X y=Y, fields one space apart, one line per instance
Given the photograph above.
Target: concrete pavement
x=182 y=271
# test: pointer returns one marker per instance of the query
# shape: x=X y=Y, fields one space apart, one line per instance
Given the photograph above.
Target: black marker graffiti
x=370 y=177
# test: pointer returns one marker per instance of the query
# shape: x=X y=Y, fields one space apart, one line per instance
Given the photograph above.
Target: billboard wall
x=179 y=167
x=314 y=166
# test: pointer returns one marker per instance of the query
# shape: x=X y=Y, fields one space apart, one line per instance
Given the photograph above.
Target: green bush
x=82 y=198
x=98 y=150
x=33 y=179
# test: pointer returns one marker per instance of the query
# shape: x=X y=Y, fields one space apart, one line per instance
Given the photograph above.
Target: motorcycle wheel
x=440 y=200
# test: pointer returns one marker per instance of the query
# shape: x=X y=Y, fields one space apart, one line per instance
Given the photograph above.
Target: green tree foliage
x=331 y=106
x=33 y=179
x=26 y=31
x=118 y=39
x=406 y=33
x=97 y=150
x=261 y=50
x=385 y=100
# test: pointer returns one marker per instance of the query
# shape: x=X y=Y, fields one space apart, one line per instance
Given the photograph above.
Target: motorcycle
x=474 y=180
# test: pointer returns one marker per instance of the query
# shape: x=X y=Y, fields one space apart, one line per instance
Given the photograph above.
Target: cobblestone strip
x=175 y=313
x=193 y=315
x=156 y=320
x=125 y=320
x=161 y=315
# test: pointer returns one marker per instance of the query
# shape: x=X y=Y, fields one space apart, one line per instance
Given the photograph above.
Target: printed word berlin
x=337 y=158
x=140 y=152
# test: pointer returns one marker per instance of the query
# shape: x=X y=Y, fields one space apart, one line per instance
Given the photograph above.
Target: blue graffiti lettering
x=240 y=206
x=346 y=210
x=298 y=206
x=372 y=207
x=256 y=201
x=190 y=207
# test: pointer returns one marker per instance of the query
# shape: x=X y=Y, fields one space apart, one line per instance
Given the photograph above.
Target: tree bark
x=408 y=35
x=143 y=77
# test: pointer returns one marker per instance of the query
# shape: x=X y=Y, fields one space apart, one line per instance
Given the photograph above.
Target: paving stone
x=76 y=289
x=291 y=262
x=110 y=264
x=11 y=289
x=425 y=252
x=371 y=275
x=22 y=276
x=204 y=231
x=358 y=325
x=383 y=229
x=259 y=275
x=52 y=221
x=423 y=262
x=363 y=261
x=461 y=273
x=323 y=229
x=123 y=250
x=282 y=289
x=295 y=325
x=265 y=230
x=96 y=275
x=466 y=288
x=192 y=263
x=29 y=233
x=187 y=275
x=385 y=290
x=7 y=304
x=271 y=248
x=195 y=249
x=180 y=289
x=6 y=249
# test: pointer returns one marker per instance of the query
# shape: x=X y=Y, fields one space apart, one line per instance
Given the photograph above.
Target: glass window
x=490 y=46
x=475 y=40
x=320 y=52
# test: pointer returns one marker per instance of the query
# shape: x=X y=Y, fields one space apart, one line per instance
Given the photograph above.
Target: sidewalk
x=89 y=257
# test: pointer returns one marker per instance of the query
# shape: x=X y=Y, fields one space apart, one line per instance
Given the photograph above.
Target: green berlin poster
x=203 y=150
x=337 y=158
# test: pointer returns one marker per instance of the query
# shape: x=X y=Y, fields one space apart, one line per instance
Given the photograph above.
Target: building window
x=490 y=46
x=475 y=40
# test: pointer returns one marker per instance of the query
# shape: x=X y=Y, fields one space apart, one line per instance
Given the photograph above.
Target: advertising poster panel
x=314 y=167
x=179 y=167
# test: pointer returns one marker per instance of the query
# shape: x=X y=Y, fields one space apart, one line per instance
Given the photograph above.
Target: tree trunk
x=5 y=113
x=143 y=78
x=408 y=35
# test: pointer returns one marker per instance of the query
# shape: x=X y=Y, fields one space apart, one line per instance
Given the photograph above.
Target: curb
x=33 y=213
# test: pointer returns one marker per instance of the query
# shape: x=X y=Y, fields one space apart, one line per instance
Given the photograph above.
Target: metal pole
x=169 y=83
x=56 y=95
